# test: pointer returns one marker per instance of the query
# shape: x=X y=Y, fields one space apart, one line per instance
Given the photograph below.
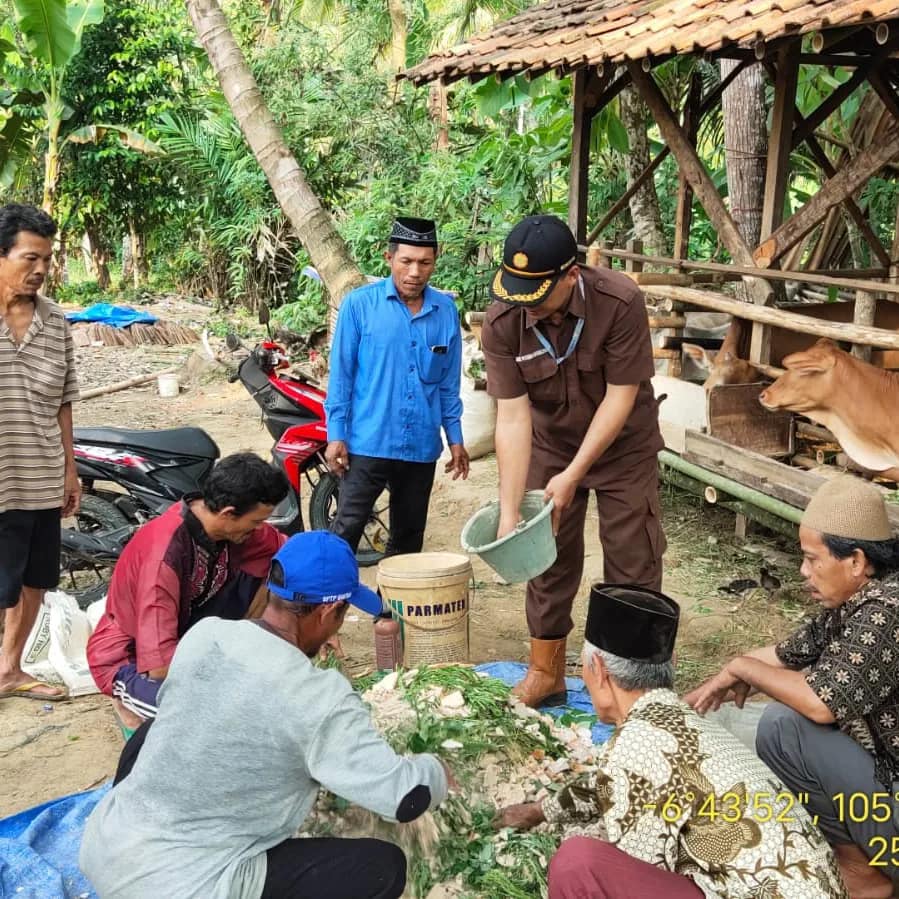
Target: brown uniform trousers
x=630 y=530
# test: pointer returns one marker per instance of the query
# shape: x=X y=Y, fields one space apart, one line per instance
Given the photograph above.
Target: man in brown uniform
x=569 y=360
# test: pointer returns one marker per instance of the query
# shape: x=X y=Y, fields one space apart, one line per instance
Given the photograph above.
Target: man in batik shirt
x=833 y=734
x=688 y=811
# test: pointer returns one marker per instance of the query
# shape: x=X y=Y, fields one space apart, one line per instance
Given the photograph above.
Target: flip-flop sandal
x=27 y=691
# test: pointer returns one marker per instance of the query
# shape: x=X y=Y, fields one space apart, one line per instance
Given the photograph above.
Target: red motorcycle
x=294 y=414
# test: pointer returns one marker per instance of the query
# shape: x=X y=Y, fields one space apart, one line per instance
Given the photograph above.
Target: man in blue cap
x=247 y=732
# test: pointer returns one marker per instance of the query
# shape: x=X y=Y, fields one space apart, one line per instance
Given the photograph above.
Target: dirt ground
x=47 y=751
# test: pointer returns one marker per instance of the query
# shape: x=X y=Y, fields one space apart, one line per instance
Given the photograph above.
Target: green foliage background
x=366 y=142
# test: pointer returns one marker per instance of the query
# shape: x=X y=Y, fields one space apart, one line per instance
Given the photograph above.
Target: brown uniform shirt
x=614 y=348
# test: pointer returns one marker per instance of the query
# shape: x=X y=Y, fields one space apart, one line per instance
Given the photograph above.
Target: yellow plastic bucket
x=428 y=594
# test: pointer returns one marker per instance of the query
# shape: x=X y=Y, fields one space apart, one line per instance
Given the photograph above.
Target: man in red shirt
x=206 y=555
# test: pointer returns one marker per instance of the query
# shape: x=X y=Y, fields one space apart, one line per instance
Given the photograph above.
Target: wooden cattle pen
x=762 y=466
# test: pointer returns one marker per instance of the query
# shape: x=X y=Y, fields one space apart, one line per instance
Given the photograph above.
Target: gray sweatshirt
x=247 y=731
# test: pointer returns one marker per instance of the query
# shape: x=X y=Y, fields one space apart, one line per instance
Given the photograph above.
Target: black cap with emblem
x=633 y=623
x=538 y=251
x=414 y=232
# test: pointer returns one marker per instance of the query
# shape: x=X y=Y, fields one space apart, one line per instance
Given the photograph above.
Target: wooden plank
x=783 y=482
x=790 y=485
x=878 y=337
x=737 y=418
x=732 y=269
x=845 y=183
x=695 y=172
x=888 y=359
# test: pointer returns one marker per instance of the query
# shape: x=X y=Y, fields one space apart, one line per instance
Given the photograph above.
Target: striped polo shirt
x=36 y=378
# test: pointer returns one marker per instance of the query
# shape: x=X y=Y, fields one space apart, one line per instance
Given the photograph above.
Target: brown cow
x=858 y=402
x=725 y=366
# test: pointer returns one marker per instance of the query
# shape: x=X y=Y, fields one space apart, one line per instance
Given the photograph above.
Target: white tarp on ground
x=56 y=649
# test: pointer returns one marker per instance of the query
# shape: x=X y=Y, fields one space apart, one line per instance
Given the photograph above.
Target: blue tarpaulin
x=114 y=316
x=39 y=849
x=578 y=699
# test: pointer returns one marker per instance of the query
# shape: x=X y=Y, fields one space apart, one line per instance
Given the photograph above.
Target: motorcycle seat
x=183 y=441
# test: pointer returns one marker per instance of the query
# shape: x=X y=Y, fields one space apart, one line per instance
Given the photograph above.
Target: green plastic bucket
x=522 y=554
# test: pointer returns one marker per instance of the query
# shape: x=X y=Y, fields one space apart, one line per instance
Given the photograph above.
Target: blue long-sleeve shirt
x=395 y=377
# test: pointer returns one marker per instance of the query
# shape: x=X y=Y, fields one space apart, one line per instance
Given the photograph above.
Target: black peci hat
x=537 y=252
x=632 y=622
x=414 y=232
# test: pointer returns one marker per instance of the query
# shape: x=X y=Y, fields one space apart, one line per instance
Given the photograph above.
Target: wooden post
x=605 y=261
x=634 y=245
x=780 y=139
x=684 y=215
x=695 y=172
x=778 y=169
x=589 y=97
x=580 y=158
x=863 y=314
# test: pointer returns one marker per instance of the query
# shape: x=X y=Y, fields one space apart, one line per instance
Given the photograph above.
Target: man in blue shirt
x=396 y=363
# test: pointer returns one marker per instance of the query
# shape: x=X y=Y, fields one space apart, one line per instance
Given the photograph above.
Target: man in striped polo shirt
x=38 y=478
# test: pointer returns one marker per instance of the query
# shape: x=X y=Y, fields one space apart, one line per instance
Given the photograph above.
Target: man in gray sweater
x=247 y=731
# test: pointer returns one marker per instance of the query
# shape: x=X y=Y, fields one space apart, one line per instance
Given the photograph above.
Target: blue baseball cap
x=320 y=567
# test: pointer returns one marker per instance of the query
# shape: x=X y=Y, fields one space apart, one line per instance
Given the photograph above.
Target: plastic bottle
x=388 y=643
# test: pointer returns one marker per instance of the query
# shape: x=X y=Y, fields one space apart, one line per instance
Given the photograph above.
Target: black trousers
x=314 y=868
x=410 y=486
x=331 y=868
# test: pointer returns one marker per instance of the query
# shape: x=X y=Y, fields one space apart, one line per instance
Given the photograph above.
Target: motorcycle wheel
x=323 y=509
x=95 y=515
x=98 y=514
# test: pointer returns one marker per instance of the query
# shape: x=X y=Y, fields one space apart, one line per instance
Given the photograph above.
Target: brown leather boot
x=545 y=678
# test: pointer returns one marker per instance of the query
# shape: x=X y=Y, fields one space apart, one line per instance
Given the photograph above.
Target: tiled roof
x=573 y=33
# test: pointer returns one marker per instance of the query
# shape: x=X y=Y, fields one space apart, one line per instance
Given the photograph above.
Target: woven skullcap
x=848 y=507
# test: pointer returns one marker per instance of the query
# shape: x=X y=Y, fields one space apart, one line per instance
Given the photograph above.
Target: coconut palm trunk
x=311 y=221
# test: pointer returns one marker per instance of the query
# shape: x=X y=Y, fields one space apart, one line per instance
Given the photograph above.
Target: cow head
x=722 y=368
x=807 y=383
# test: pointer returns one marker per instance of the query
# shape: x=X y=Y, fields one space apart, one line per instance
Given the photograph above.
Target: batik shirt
x=682 y=793
x=852 y=657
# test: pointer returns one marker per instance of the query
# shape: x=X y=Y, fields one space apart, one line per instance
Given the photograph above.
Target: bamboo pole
x=789 y=320
x=124 y=385
x=875 y=287
x=734 y=488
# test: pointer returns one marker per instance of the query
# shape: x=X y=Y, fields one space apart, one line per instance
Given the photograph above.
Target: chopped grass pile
x=499 y=751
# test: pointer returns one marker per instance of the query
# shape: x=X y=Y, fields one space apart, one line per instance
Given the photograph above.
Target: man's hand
x=507 y=523
x=337 y=458
x=71 y=501
x=458 y=464
x=521 y=817
x=560 y=490
x=722 y=687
